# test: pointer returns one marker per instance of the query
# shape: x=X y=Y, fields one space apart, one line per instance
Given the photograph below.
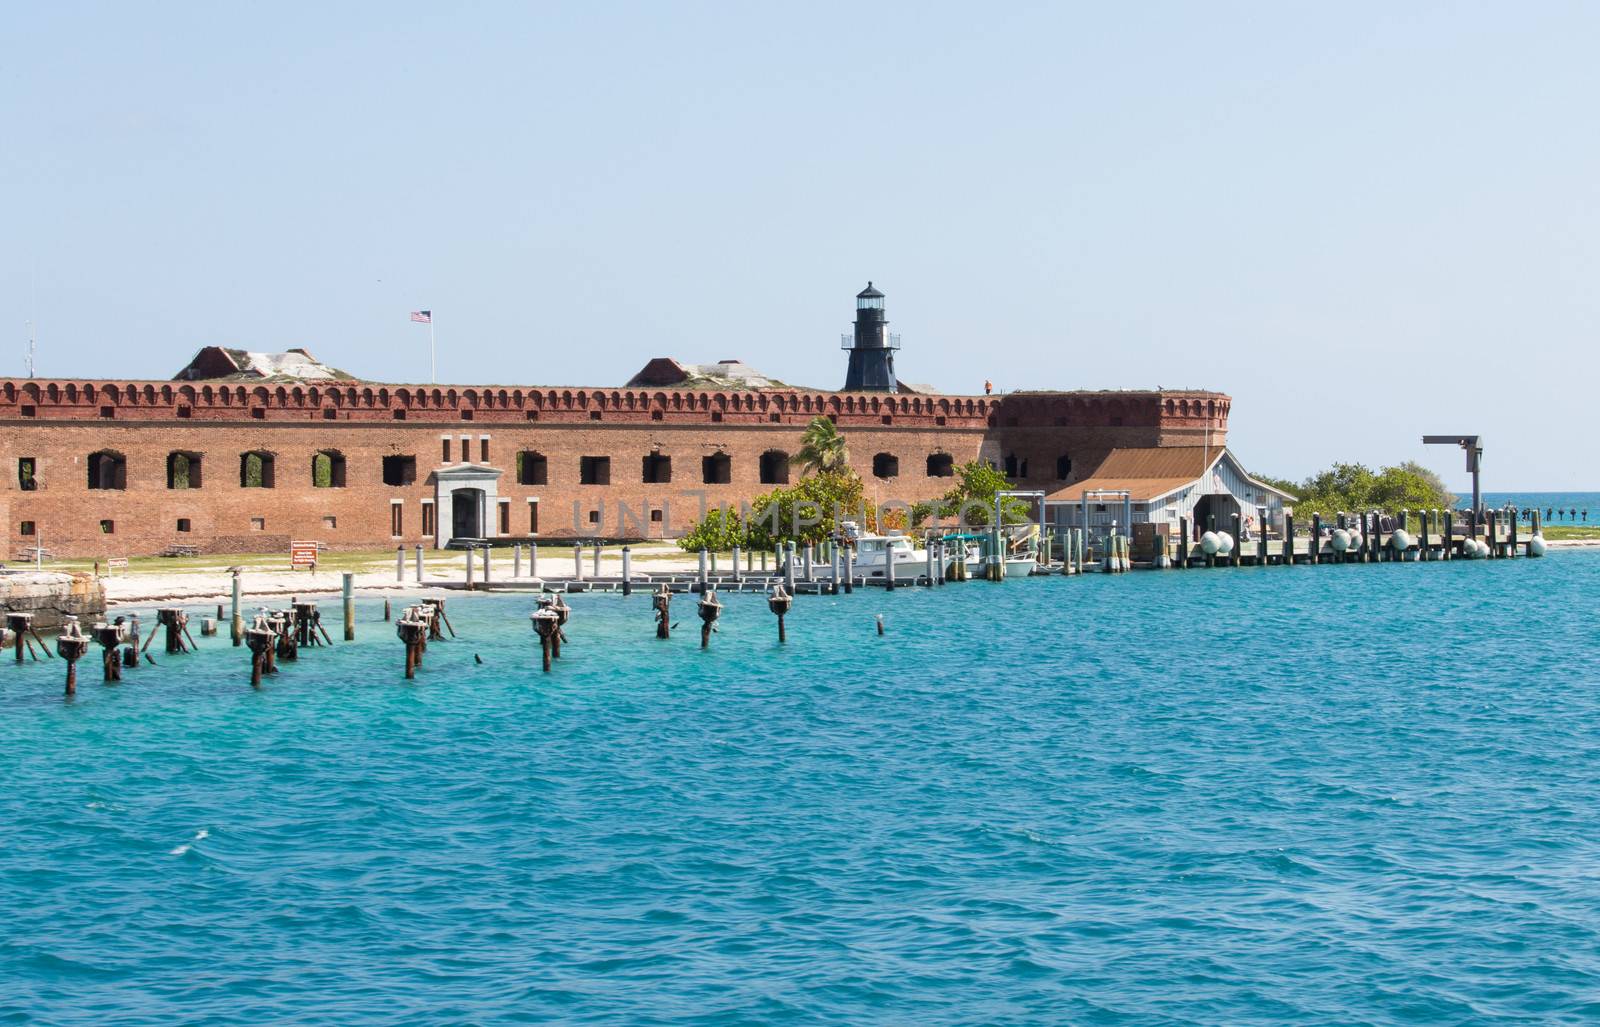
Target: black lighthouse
x=872 y=350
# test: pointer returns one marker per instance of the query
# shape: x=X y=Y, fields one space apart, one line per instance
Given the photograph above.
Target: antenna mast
x=30 y=348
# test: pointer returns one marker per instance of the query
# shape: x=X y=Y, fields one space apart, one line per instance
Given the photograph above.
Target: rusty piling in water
x=661 y=603
x=71 y=646
x=710 y=609
x=779 y=602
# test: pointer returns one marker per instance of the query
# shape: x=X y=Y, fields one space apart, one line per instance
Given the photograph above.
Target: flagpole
x=433 y=369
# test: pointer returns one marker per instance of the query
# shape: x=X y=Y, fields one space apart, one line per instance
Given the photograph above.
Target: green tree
x=1355 y=488
x=971 y=499
x=719 y=531
x=822 y=448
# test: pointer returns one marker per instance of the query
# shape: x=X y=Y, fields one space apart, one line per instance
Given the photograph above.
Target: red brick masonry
x=1045 y=440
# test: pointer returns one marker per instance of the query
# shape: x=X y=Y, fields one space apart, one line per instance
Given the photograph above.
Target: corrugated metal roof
x=1145 y=472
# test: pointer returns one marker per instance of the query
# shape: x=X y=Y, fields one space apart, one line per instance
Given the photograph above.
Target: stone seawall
x=49 y=596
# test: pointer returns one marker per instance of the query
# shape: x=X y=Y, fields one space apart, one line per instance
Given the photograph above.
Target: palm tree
x=822 y=448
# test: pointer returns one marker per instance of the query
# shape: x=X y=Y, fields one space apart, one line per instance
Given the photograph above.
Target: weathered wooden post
x=1238 y=540
x=1491 y=525
x=1183 y=542
x=833 y=557
x=789 y=567
x=705 y=563
x=1288 y=540
x=627 y=570
x=738 y=568
x=1422 y=535
x=597 y=559
x=710 y=610
x=488 y=552
x=349 y=607
x=1211 y=526
x=713 y=563
x=1315 y=547
x=806 y=563
x=71 y=646
x=419 y=563
x=1512 y=517
x=399 y=564
x=386 y=611
x=849 y=568
x=577 y=561
x=1447 y=530
x=470 y=563
x=238 y=616
x=778 y=602
x=930 y=563
x=516 y=560
x=661 y=603
x=533 y=559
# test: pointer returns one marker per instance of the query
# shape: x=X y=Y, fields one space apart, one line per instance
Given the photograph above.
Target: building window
x=716 y=469
x=466 y=449
x=533 y=518
x=108 y=412
x=108 y=527
x=532 y=468
x=466 y=415
x=1063 y=467
x=399 y=415
x=256 y=470
x=329 y=414
x=27 y=474
x=397 y=519
x=259 y=413
x=594 y=415
x=108 y=470
x=28 y=410
x=399 y=470
x=183 y=524
x=888 y=418
x=655 y=516
x=327 y=469
x=533 y=415
x=183 y=470
x=716 y=415
x=258 y=524
x=594 y=516
x=885 y=465
x=1011 y=465
x=185 y=411
x=330 y=522
x=444 y=444
x=25 y=528
x=657 y=469
x=427 y=518
x=774 y=467
x=505 y=517
x=656 y=415
x=941 y=465
x=594 y=470
x=483 y=450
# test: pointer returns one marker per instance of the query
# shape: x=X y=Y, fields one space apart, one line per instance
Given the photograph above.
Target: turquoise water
x=1563 y=501
x=1244 y=796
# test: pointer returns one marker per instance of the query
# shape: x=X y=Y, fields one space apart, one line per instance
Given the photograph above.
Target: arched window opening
x=183 y=470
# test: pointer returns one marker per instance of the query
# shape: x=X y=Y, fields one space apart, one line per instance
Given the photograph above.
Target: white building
x=1160 y=485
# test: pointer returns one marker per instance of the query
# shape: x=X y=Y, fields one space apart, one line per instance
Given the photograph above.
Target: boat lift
x=1473 y=444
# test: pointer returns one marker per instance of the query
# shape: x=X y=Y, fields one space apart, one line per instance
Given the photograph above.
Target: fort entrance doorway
x=466 y=513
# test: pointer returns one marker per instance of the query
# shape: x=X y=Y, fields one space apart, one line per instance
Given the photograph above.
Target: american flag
x=423 y=316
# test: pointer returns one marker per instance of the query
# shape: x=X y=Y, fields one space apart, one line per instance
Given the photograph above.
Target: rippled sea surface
x=1354 y=794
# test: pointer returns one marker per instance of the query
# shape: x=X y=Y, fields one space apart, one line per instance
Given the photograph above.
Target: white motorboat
x=876 y=554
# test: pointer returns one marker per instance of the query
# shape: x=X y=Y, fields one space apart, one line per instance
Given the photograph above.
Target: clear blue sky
x=1364 y=221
